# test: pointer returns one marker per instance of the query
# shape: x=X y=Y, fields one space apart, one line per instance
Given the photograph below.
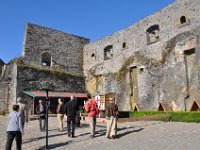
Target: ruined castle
x=153 y=61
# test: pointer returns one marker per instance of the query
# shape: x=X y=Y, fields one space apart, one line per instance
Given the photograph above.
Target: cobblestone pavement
x=135 y=135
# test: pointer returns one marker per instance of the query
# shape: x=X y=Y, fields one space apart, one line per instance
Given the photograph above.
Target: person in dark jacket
x=14 y=129
x=112 y=116
x=41 y=111
x=70 y=111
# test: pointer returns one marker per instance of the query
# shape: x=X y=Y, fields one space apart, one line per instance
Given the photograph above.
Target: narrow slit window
x=93 y=56
x=183 y=19
x=124 y=45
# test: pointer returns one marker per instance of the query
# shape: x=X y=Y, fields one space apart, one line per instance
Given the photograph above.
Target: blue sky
x=92 y=19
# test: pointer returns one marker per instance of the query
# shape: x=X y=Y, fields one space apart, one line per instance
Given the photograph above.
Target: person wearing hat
x=22 y=111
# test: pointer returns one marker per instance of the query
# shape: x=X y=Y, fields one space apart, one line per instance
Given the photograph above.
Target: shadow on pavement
x=42 y=137
x=128 y=132
x=53 y=146
x=103 y=132
x=83 y=134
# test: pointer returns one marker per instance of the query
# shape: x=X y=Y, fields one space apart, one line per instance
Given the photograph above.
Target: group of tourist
x=92 y=110
x=17 y=118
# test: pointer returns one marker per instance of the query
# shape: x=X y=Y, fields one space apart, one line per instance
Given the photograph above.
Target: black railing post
x=47 y=116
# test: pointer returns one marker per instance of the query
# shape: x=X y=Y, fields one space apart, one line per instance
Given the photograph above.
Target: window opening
x=183 y=19
x=108 y=52
x=124 y=45
x=152 y=34
x=46 y=59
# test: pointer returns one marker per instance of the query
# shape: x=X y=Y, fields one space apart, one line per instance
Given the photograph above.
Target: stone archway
x=46 y=59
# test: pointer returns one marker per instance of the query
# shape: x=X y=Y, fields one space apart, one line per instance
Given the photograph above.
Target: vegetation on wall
x=17 y=60
x=55 y=70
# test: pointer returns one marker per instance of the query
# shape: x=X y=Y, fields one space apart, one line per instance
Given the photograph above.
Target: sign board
x=100 y=102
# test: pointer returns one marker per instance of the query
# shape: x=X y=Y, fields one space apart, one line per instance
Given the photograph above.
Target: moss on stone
x=17 y=60
x=53 y=70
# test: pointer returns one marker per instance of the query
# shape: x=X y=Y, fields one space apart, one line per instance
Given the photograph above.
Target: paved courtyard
x=135 y=135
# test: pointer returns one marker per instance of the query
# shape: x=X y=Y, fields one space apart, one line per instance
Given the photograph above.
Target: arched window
x=182 y=20
x=152 y=34
x=46 y=59
x=108 y=52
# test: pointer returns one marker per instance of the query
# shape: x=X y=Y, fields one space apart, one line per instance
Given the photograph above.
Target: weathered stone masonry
x=48 y=56
x=64 y=50
x=153 y=60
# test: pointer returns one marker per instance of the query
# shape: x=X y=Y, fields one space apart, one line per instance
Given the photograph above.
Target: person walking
x=41 y=111
x=60 y=114
x=112 y=116
x=14 y=129
x=70 y=111
x=22 y=111
x=92 y=109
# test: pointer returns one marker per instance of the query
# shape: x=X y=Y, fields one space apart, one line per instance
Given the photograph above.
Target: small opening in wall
x=183 y=19
x=189 y=52
x=141 y=70
x=93 y=55
x=124 y=45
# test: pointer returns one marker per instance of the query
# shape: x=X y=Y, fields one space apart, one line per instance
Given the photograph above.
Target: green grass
x=176 y=116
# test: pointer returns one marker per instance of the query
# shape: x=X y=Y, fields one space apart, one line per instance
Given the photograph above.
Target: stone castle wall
x=29 y=78
x=153 y=60
x=49 y=56
x=151 y=51
x=7 y=88
x=65 y=50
